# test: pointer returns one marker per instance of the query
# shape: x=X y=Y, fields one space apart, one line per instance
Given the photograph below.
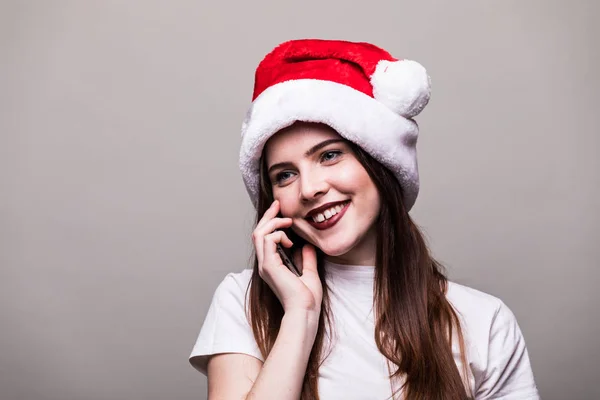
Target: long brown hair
x=414 y=322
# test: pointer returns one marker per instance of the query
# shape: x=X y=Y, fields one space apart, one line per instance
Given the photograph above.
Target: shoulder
x=239 y=279
x=226 y=328
x=233 y=287
x=481 y=313
x=472 y=303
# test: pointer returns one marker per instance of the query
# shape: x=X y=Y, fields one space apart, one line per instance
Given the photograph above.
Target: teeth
x=320 y=217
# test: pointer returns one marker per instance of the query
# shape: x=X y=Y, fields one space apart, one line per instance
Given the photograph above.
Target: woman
x=329 y=160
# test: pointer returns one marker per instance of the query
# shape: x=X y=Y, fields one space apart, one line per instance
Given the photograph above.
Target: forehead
x=294 y=141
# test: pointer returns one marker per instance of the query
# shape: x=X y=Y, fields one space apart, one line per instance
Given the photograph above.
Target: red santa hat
x=357 y=89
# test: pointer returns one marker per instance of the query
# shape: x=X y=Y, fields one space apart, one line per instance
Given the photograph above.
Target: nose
x=313 y=185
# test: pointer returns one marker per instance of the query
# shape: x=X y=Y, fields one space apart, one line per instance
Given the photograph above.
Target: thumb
x=309 y=258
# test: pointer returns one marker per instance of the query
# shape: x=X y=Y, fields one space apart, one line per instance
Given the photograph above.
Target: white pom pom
x=403 y=86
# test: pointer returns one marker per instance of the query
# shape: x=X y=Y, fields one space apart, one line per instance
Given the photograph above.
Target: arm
x=240 y=376
x=283 y=371
x=282 y=374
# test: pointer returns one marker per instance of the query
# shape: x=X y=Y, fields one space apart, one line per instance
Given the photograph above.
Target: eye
x=330 y=155
x=282 y=176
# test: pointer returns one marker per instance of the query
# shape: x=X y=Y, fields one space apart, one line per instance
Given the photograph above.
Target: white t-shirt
x=499 y=364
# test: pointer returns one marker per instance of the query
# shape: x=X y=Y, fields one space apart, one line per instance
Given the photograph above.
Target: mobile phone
x=287 y=260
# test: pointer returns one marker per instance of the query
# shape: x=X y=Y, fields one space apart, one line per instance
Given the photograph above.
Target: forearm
x=283 y=371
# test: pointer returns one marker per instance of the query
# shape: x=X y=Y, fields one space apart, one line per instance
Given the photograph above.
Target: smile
x=328 y=217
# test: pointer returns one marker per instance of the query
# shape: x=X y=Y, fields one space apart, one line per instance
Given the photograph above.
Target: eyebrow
x=308 y=153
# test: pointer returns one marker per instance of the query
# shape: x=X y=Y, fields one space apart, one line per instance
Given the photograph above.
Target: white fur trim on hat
x=385 y=135
x=403 y=86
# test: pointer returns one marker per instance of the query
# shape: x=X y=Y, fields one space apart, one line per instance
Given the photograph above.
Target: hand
x=303 y=293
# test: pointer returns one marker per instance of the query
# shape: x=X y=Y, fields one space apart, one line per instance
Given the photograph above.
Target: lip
x=322 y=208
x=331 y=221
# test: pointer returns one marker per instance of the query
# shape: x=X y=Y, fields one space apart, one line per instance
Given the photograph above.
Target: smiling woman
x=328 y=157
x=325 y=190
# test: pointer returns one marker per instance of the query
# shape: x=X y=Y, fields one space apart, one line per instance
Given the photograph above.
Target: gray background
x=122 y=207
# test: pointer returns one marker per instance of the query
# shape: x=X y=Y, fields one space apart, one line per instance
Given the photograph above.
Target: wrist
x=302 y=317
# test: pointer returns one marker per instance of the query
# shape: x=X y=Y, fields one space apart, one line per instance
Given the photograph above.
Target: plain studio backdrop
x=122 y=207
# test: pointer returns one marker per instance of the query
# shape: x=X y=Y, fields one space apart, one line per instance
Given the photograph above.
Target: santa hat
x=361 y=91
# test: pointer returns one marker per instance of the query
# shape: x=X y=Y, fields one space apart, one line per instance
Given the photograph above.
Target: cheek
x=355 y=177
x=358 y=181
x=301 y=228
x=287 y=204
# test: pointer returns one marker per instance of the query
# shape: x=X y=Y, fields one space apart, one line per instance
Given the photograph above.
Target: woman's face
x=329 y=195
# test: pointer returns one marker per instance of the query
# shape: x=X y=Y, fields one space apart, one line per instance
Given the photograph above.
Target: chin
x=334 y=252
x=336 y=245
x=339 y=248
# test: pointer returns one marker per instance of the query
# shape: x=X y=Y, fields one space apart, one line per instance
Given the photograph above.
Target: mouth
x=326 y=218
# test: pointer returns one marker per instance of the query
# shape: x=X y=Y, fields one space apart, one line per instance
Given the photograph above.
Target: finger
x=273 y=225
x=273 y=238
x=258 y=246
x=309 y=258
x=271 y=258
x=269 y=214
x=297 y=257
x=260 y=232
